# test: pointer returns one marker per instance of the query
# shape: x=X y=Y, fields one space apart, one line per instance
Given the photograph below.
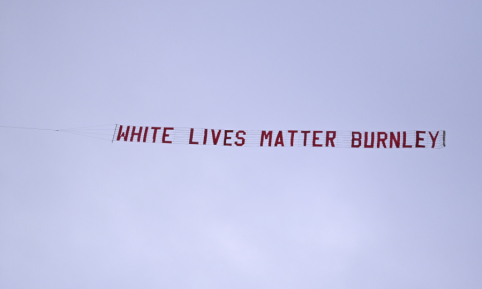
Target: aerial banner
x=280 y=138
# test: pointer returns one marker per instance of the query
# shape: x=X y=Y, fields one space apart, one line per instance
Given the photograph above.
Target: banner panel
x=280 y=138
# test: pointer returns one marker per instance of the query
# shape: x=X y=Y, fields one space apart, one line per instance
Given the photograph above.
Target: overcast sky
x=79 y=212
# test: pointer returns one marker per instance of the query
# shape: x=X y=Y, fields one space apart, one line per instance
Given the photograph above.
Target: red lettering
x=205 y=136
x=145 y=133
x=394 y=140
x=292 y=132
x=265 y=135
x=279 y=139
x=226 y=137
x=381 y=139
x=121 y=134
x=418 y=139
x=215 y=137
x=155 y=128
x=190 y=137
x=315 y=138
x=358 y=139
x=330 y=139
x=434 y=138
x=240 y=137
x=164 y=135
x=366 y=145
x=405 y=140
x=138 y=134
x=305 y=132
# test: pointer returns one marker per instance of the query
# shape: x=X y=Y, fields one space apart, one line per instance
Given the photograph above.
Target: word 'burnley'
x=281 y=138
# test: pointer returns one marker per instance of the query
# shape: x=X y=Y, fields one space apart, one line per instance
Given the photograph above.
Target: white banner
x=281 y=138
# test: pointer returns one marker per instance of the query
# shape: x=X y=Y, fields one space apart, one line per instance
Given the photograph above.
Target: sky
x=79 y=212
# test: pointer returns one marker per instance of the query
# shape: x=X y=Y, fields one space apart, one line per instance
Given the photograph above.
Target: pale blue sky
x=83 y=213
